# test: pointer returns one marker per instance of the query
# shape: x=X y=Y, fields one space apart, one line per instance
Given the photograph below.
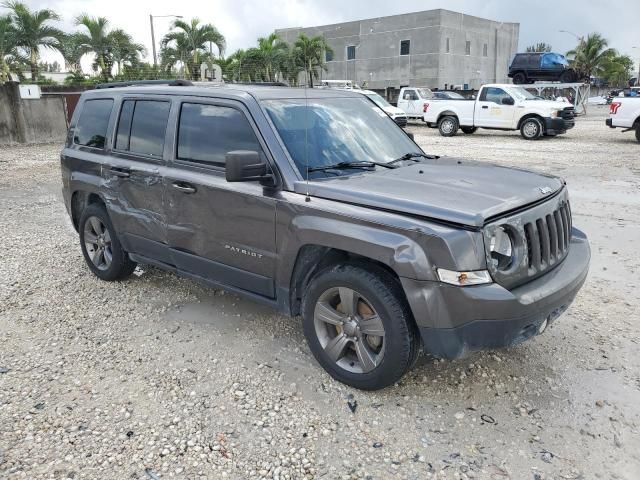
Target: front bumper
x=557 y=125
x=401 y=121
x=456 y=320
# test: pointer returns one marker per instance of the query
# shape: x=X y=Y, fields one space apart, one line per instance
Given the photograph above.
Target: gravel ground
x=158 y=377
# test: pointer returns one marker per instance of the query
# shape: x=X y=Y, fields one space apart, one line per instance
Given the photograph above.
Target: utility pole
x=153 y=42
x=153 y=36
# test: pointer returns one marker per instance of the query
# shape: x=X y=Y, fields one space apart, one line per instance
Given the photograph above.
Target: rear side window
x=142 y=127
x=91 y=130
x=207 y=132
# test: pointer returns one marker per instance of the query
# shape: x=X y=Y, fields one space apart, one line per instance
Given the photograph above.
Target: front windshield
x=523 y=94
x=327 y=131
x=381 y=102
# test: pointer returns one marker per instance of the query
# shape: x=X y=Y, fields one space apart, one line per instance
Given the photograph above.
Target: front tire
x=531 y=129
x=638 y=132
x=567 y=77
x=448 y=126
x=359 y=327
x=100 y=245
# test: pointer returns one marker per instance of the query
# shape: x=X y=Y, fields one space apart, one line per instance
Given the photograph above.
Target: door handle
x=120 y=172
x=184 y=187
x=485 y=106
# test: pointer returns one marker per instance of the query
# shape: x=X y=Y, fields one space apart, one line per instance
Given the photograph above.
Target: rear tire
x=531 y=129
x=340 y=305
x=100 y=245
x=448 y=126
x=638 y=132
x=519 y=78
x=567 y=77
x=469 y=130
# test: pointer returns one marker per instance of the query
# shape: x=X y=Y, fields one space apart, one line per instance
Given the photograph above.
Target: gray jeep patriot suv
x=315 y=202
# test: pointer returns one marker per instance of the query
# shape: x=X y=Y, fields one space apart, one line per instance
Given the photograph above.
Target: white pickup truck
x=624 y=112
x=412 y=101
x=501 y=107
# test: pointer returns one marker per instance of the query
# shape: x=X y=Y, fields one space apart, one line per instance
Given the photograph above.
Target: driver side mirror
x=507 y=101
x=244 y=166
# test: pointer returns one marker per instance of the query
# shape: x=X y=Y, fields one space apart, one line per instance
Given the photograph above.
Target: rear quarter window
x=91 y=129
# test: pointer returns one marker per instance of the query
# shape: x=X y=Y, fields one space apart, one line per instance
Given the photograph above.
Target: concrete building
x=433 y=48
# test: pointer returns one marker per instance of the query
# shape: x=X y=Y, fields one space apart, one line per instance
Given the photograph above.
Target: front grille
x=568 y=113
x=547 y=238
x=541 y=238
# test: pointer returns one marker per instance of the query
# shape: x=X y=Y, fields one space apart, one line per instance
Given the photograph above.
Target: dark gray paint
x=247 y=237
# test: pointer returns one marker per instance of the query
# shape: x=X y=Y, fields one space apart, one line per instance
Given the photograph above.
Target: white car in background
x=624 y=112
x=397 y=114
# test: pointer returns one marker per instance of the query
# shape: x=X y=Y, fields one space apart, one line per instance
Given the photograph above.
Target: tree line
x=592 y=57
x=116 y=56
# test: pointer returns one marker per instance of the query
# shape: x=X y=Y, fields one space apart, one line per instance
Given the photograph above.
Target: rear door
x=220 y=231
x=490 y=112
x=133 y=175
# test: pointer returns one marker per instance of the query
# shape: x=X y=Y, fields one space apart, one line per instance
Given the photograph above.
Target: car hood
x=446 y=189
x=550 y=104
x=391 y=110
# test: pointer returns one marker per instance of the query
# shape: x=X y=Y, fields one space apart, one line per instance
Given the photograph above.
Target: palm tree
x=190 y=43
x=72 y=51
x=7 y=47
x=539 y=47
x=32 y=30
x=311 y=52
x=124 y=50
x=590 y=56
x=270 y=48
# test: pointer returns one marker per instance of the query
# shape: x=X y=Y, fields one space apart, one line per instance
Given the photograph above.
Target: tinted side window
x=148 y=127
x=207 y=132
x=91 y=130
x=493 y=94
x=124 y=125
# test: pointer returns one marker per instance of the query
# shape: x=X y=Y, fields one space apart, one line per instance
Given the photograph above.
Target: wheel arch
x=80 y=199
x=448 y=113
x=528 y=116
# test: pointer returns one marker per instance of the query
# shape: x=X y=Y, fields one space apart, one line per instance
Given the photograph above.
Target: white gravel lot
x=158 y=377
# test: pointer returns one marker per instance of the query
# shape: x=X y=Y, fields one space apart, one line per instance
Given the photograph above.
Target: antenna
x=307 y=198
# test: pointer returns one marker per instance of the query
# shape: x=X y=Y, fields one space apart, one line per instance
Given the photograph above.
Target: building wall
x=379 y=63
x=30 y=121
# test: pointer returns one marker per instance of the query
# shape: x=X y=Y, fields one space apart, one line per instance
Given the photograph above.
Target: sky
x=242 y=22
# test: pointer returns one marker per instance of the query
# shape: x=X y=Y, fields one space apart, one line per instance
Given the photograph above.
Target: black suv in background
x=316 y=203
x=531 y=67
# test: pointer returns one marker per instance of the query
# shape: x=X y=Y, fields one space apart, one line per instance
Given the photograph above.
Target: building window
x=484 y=50
x=405 y=47
x=328 y=55
x=447 y=50
x=351 y=52
x=468 y=48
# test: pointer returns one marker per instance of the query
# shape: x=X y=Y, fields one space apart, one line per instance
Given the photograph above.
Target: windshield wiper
x=348 y=165
x=411 y=156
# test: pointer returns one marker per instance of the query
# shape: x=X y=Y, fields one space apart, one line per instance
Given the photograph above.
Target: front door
x=132 y=176
x=220 y=231
x=410 y=103
x=491 y=112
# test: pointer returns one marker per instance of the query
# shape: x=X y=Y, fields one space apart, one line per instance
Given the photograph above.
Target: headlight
x=476 y=277
x=501 y=248
x=554 y=114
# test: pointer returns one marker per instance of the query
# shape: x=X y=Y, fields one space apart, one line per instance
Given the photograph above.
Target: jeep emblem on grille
x=544 y=190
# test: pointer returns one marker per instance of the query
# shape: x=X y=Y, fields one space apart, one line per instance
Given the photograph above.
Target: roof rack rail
x=132 y=83
x=263 y=84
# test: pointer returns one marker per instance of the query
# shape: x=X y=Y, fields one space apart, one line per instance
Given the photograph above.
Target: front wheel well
x=528 y=116
x=313 y=259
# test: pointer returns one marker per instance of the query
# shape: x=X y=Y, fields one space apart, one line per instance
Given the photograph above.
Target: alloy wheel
x=349 y=330
x=97 y=241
